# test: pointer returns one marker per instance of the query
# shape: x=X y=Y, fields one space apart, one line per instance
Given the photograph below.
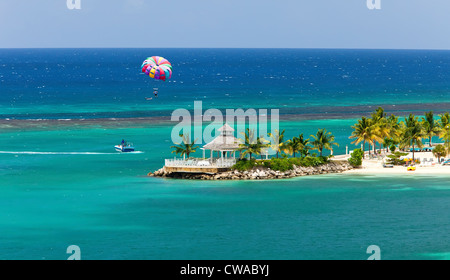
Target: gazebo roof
x=226 y=127
x=225 y=141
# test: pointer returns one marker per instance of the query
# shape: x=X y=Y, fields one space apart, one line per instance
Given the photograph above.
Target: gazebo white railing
x=220 y=162
x=225 y=145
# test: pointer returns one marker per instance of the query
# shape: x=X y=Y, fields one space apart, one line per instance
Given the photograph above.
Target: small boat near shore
x=124 y=147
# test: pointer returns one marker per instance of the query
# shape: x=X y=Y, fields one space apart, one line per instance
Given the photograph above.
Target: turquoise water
x=104 y=203
x=63 y=184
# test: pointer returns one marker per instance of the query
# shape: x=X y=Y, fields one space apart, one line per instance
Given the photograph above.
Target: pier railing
x=221 y=162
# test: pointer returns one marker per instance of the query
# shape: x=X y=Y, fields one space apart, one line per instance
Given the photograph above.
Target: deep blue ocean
x=108 y=83
x=62 y=183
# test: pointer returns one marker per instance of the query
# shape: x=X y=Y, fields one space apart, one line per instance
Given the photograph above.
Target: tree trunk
x=430 y=142
x=364 y=148
x=413 y=150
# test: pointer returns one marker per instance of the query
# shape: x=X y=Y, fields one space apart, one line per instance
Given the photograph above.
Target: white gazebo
x=226 y=144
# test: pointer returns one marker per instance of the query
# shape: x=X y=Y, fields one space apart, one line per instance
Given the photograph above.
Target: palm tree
x=289 y=147
x=430 y=126
x=445 y=135
x=388 y=143
x=186 y=147
x=364 y=131
x=413 y=133
x=381 y=127
x=379 y=113
x=299 y=144
x=252 y=145
x=304 y=151
x=445 y=120
x=277 y=141
x=395 y=129
x=439 y=152
x=323 y=140
x=444 y=130
x=296 y=144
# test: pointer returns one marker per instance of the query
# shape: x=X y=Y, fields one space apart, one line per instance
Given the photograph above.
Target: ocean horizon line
x=228 y=48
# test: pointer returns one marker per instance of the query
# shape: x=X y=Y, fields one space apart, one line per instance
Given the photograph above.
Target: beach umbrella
x=157 y=67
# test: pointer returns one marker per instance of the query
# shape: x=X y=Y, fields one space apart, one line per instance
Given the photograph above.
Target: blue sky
x=400 y=24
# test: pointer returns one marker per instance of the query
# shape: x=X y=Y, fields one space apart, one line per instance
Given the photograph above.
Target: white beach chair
x=423 y=162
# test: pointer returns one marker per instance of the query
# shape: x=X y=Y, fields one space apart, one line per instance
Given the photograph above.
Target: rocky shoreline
x=260 y=173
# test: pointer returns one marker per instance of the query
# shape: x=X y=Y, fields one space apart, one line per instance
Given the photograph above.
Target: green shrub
x=356 y=159
x=279 y=164
x=392 y=148
x=296 y=161
x=395 y=158
x=244 y=164
x=312 y=161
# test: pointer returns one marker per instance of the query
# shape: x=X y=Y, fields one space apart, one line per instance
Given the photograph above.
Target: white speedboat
x=126 y=148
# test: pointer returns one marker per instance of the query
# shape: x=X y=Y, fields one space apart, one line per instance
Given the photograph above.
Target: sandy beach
x=376 y=167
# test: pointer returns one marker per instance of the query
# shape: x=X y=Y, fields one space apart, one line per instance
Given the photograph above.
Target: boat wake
x=64 y=153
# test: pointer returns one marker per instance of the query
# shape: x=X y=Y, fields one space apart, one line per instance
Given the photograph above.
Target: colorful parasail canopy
x=157 y=67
